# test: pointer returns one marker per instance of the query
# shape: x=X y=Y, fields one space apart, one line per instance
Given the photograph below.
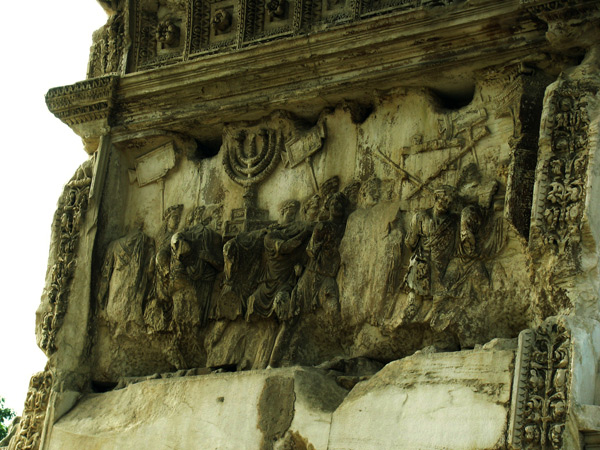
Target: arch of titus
x=327 y=225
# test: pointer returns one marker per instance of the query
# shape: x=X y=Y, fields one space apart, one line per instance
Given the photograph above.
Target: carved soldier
x=352 y=193
x=318 y=280
x=242 y=257
x=431 y=237
x=197 y=258
x=370 y=192
x=126 y=281
x=393 y=250
x=172 y=217
x=284 y=246
x=467 y=273
x=312 y=208
x=317 y=286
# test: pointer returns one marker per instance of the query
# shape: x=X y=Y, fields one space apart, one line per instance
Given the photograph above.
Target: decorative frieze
x=225 y=25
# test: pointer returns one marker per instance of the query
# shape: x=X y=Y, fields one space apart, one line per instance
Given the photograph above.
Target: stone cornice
x=85 y=106
x=84 y=101
x=306 y=73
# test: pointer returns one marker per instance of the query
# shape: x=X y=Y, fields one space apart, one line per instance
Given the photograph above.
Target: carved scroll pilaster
x=562 y=171
x=67 y=225
x=541 y=388
x=29 y=433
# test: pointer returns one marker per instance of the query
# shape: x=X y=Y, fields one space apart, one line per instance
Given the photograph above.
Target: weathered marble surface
x=247 y=410
x=426 y=401
x=335 y=185
x=452 y=400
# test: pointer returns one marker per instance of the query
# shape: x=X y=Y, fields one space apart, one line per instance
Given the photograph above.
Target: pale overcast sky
x=46 y=44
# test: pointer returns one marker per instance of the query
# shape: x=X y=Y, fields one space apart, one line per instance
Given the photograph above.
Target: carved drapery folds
x=125 y=281
x=541 y=391
x=450 y=246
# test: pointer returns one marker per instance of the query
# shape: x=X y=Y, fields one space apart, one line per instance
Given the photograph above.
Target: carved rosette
x=29 y=433
x=222 y=25
x=67 y=225
x=564 y=169
x=542 y=387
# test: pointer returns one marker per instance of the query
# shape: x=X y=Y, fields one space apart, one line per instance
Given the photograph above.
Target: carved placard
x=154 y=165
x=303 y=146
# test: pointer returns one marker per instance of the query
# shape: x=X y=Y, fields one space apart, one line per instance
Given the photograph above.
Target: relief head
x=370 y=192
x=172 y=217
x=336 y=205
x=288 y=211
x=312 y=207
x=443 y=198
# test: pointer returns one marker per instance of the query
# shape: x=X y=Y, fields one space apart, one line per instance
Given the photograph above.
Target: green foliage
x=6 y=414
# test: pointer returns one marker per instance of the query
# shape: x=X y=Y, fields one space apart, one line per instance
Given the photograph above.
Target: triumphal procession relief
x=337 y=224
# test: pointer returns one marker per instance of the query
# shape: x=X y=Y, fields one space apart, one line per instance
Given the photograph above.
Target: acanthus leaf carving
x=541 y=391
x=30 y=430
x=67 y=227
x=108 y=48
x=563 y=172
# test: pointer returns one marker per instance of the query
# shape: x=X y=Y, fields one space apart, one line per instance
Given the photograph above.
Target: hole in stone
x=103 y=386
x=225 y=368
x=455 y=98
x=206 y=149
